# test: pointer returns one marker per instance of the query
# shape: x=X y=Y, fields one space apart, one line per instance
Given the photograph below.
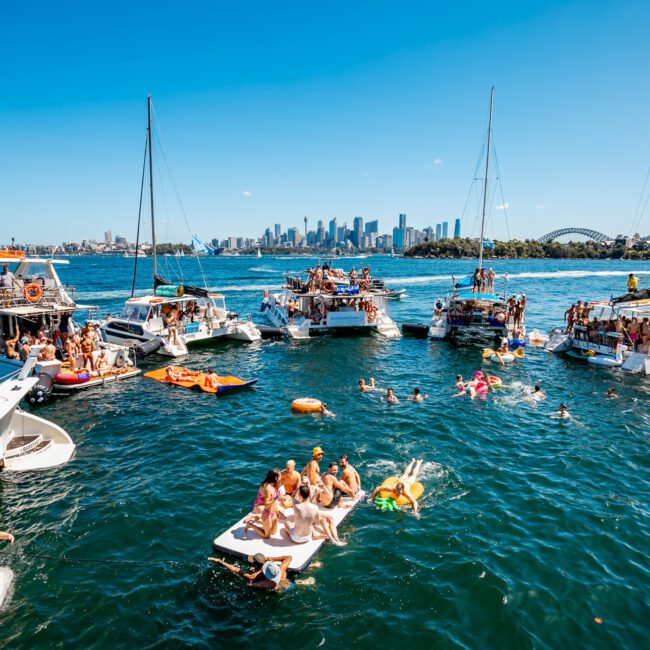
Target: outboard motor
x=42 y=390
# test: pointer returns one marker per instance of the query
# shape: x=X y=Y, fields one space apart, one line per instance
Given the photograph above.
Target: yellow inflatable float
x=416 y=491
x=306 y=405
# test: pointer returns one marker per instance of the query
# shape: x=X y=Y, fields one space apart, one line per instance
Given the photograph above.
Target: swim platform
x=197 y=379
x=233 y=541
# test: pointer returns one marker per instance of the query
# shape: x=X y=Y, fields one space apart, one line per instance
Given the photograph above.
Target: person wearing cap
x=272 y=575
x=25 y=347
x=312 y=469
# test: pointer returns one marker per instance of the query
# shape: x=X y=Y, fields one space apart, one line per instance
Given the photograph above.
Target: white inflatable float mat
x=233 y=541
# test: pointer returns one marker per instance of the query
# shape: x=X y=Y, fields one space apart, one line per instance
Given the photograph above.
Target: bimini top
x=488 y=297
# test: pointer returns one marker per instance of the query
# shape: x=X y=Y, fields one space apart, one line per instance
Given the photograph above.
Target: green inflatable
x=386 y=503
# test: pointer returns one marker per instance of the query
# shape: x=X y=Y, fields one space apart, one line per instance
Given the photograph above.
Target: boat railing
x=51 y=296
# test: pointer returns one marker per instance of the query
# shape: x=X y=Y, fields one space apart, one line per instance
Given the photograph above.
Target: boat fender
x=415 y=329
x=42 y=391
x=148 y=347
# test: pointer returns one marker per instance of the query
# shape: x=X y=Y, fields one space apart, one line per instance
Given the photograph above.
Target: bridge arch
x=587 y=232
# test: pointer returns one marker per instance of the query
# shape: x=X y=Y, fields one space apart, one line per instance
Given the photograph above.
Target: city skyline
x=265 y=125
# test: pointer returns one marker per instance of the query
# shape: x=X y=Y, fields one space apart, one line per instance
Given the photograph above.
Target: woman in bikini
x=265 y=506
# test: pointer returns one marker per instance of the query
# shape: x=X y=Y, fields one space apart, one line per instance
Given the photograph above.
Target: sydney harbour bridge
x=586 y=232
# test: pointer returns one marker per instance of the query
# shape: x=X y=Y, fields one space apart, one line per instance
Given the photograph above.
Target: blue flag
x=201 y=247
x=488 y=244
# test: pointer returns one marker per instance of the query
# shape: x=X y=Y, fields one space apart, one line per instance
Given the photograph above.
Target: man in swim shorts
x=349 y=475
x=290 y=478
x=403 y=487
x=333 y=489
x=305 y=516
x=210 y=380
x=312 y=469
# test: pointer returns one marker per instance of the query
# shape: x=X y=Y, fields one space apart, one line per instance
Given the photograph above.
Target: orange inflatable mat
x=191 y=379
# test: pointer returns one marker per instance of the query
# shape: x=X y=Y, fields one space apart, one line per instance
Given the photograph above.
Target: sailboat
x=476 y=307
x=259 y=254
x=173 y=317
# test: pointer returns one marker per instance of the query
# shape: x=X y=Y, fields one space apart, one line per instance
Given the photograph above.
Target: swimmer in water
x=390 y=397
x=403 y=487
x=562 y=413
x=417 y=396
x=463 y=388
x=364 y=388
x=611 y=394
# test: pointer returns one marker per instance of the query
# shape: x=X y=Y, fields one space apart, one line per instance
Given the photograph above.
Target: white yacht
x=334 y=309
x=602 y=347
x=40 y=301
x=205 y=317
x=198 y=314
x=28 y=442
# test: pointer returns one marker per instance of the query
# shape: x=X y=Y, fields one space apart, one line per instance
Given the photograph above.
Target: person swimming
x=364 y=388
x=417 y=396
x=403 y=486
x=611 y=393
x=390 y=397
x=562 y=413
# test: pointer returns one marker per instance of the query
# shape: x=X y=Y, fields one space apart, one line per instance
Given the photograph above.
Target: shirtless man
x=102 y=366
x=48 y=353
x=10 y=346
x=210 y=380
x=349 y=475
x=403 y=487
x=364 y=388
x=290 y=478
x=390 y=397
x=272 y=576
x=562 y=413
x=72 y=348
x=305 y=517
x=312 y=470
x=87 y=349
x=333 y=489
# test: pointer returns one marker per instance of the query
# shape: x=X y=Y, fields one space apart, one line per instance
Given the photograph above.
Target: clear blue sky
x=275 y=110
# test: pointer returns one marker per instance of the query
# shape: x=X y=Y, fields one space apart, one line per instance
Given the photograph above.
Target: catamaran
x=474 y=307
x=331 y=309
x=176 y=316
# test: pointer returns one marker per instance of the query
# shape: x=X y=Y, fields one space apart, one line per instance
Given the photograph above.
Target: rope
x=86 y=560
x=503 y=201
x=159 y=138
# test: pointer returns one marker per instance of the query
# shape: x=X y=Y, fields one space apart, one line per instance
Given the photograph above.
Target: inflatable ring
x=328 y=286
x=306 y=405
x=32 y=292
x=363 y=285
x=416 y=491
x=494 y=381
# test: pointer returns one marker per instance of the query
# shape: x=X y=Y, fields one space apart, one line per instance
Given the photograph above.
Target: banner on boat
x=201 y=247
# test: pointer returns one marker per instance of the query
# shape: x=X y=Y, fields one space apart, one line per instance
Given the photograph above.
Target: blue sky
x=273 y=111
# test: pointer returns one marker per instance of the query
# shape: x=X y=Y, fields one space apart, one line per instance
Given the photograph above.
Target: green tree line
x=529 y=248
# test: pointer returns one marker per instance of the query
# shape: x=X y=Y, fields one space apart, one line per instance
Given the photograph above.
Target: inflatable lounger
x=192 y=379
x=234 y=542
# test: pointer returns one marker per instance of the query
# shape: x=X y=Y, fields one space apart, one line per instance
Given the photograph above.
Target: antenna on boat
x=485 y=181
x=153 y=225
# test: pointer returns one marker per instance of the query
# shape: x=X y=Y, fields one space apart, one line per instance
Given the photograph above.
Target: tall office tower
x=108 y=237
x=278 y=233
x=342 y=233
x=357 y=232
x=402 y=221
x=320 y=233
x=428 y=233
x=457 y=229
x=398 y=238
x=372 y=227
x=267 y=237
x=292 y=236
x=333 y=230
x=445 y=229
x=438 y=231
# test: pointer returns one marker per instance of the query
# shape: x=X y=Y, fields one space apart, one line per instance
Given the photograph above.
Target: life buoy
x=363 y=285
x=328 y=286
x=32 y=292
x=372 y=312
x=306 y=405
x=155 y=300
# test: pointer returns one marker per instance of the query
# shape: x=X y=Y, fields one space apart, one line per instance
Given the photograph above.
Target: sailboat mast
x=153 y=224
x=485 y=181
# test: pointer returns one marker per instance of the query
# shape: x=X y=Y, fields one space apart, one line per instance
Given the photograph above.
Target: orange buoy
x=598 y=620
x=306 y=405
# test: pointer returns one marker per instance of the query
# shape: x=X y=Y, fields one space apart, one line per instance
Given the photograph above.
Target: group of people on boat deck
x=19 y=344
x=318 y=276
x=307 y=493
x=483 y=281
x=635 y=334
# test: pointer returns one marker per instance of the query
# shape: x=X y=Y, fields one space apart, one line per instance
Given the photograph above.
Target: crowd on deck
x=617 y=329
x=325 y=278
x=483 y=281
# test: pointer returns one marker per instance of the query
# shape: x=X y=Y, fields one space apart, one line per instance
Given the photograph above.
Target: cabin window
x=135 y=312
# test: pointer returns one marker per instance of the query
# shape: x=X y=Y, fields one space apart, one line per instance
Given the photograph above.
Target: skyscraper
x=402 y=221
x=445 y=229
x=372 y=227
x=108 y=237
x=278 y=231
x=333 y=231
x=457 y=229
x=438 y=231
x=357 y=232
x=320 y=233
x=292 y=236
x=398 y=237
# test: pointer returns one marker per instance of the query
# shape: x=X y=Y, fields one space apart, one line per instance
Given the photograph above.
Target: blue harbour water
x=531 y=527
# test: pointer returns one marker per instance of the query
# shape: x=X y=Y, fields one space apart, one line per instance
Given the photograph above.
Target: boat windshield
x=135 y=312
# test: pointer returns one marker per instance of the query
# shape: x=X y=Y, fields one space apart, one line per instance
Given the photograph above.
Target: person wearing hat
x=312 y=469
x=271 y=575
